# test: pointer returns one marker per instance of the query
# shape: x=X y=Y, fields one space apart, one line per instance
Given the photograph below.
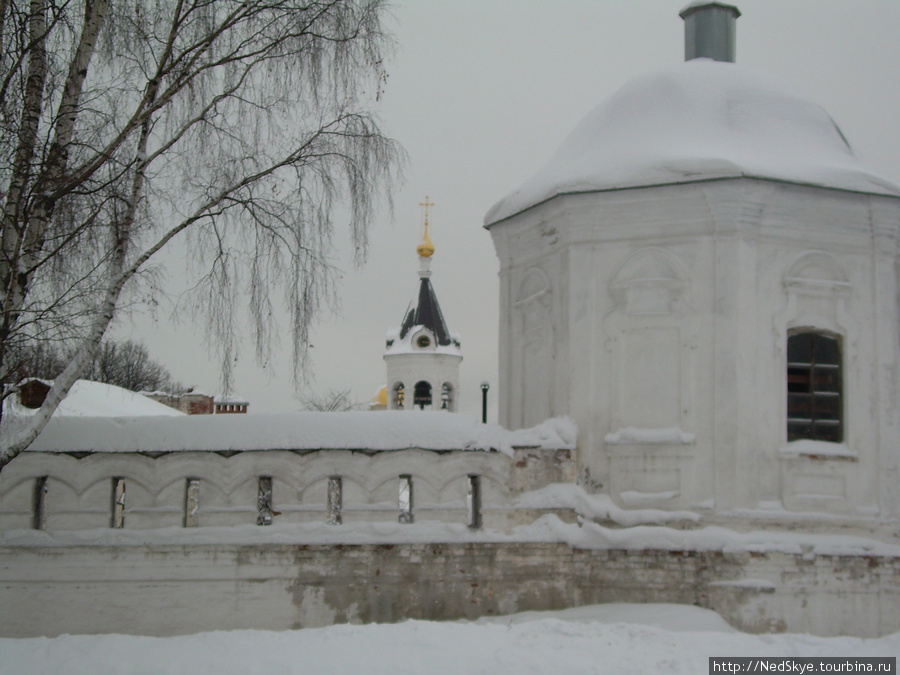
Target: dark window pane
x=828 y=432
x=827 y=350
x=827 y=379
x=828 y=407
x=800 y=348
x=798 y=379
x=797 y=430
x=800 y=405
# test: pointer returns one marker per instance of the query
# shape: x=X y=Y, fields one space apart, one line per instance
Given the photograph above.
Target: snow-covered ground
x=599 y=639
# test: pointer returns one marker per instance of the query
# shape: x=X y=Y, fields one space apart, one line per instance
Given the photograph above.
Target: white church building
x=422 y=355
x=699 y=342
x=704 y=277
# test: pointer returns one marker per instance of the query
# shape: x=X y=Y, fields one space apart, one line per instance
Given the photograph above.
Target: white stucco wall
x=79 y=491
x=424 y=365
x=657 y=318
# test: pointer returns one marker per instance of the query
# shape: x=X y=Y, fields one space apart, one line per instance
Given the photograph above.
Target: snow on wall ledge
x=382 y=431
x=698 y=120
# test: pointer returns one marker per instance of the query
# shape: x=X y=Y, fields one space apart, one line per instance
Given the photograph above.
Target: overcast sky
x=480 y=93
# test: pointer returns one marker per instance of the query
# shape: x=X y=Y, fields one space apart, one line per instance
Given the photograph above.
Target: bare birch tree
x=333 y=400
x=238 y=125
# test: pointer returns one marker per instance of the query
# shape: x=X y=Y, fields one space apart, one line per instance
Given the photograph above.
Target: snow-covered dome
x=698 y=120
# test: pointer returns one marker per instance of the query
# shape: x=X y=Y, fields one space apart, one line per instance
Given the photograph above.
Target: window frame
x=814 y=387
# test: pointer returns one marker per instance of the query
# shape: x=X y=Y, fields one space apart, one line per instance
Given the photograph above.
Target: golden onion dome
x=425 y=248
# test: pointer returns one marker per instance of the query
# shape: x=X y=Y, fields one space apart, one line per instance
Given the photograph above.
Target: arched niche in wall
x=817 y=306
x=448 y=397
x=422 y=398
x=650 y=332
x=817 y=292
x=533 y=331
x=398 y=396
x=650 y=282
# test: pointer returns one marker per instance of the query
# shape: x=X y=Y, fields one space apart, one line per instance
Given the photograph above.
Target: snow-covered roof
x=390 y=430
x=698 y=120
x=400 y=343
x=95 y=399
x=230 y=399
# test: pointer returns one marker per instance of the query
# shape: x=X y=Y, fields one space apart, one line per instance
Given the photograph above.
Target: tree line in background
x=240 y=129
x=333 y=400
x=125 y=364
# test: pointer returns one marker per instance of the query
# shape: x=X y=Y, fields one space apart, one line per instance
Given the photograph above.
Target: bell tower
x=422 y=355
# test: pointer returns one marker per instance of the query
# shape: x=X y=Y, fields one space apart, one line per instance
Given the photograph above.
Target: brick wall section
x=191 y=404
x=166 y=590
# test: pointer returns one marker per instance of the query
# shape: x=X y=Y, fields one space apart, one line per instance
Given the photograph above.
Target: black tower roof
x=426 y=313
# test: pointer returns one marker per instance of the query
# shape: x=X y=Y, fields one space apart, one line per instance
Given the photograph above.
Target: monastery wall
x=59 y=492
x=179 y=589
x=183 y=548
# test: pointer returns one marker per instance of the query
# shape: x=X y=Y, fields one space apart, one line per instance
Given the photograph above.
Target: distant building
x=230 y=404
x=191 y=402
x=422 y=355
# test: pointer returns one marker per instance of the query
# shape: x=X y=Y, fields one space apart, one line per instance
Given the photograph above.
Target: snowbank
x=603 y=638
x=599 y=506
x=548 y=528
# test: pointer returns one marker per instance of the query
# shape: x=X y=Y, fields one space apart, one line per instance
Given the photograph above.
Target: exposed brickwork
x=183 y=589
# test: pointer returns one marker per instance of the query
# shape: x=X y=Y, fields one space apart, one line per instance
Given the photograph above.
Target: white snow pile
x=388 y=430
x=813 y=448
x=698 y=120
x=599 y=506
x=547 y=528
x=95 y=399
x=615 y=638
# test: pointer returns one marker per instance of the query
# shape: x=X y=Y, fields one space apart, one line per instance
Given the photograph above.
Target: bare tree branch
x=241 y=125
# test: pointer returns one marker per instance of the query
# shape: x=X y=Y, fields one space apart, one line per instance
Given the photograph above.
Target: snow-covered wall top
x=297 y=431
x=698 y=120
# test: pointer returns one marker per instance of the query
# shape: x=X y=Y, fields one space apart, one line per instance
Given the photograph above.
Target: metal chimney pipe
x=709 y=30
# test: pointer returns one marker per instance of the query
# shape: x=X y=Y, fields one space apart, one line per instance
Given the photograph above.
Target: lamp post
x=484 y=390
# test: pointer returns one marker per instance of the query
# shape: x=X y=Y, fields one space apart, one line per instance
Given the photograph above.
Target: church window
x=335 y=500
x=118 y=503
x=422 y=398
x=191 y=502
x=447 y=396
x=399 y=396
x=473 y=502
x=405 y=500
x=814 y=388
x=264 y=501
x=39 y=514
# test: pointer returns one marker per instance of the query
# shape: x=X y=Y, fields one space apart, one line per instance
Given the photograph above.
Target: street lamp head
x=485 y=385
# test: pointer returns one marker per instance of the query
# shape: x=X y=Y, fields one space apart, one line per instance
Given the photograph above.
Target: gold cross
x=426 y=204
